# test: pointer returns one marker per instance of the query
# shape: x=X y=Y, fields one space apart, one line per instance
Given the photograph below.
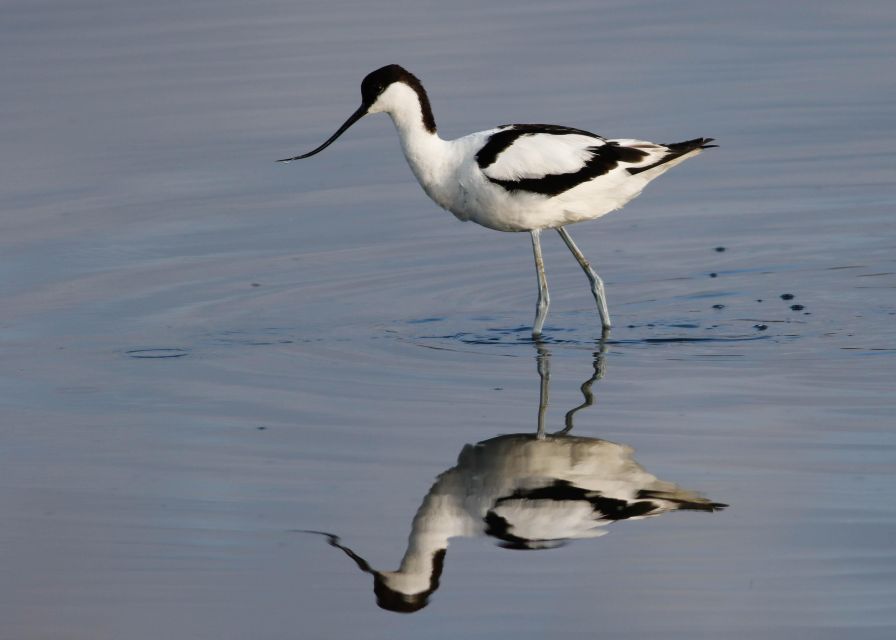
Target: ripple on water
x=573 y=331
x=157 y=353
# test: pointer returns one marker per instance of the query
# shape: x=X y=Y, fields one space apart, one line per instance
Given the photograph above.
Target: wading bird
x=518 y=177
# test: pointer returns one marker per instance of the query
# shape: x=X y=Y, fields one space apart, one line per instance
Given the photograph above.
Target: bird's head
x=382 y=91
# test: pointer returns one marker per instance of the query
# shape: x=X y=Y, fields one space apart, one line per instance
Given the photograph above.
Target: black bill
x=357 y=115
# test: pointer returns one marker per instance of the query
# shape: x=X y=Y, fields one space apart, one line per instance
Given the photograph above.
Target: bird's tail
x=680 y=148
x=679 y=498
x=676 y=153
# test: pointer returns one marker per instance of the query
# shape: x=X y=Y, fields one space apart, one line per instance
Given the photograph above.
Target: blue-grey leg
x=544 y=299
x=597 y=285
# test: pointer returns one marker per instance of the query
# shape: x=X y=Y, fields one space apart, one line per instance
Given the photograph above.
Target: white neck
x=440 y=518
x=428 y=155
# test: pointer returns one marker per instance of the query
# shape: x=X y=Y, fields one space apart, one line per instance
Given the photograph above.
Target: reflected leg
x=543 y=364
x=597 y=285
x=587 y=393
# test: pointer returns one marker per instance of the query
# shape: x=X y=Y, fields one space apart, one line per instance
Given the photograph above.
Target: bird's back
x=529 y=176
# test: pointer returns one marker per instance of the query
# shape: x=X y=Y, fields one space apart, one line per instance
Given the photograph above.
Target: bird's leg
x=544 y=299
x=597 y=285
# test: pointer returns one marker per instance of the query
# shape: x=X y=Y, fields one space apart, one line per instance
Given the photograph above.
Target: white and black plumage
x=518 y=177
x=527 y=492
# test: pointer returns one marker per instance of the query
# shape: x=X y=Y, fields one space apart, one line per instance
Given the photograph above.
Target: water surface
x=206 y=353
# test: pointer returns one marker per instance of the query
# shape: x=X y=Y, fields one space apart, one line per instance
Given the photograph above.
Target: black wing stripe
x=604 y=159
x=510 y=133
x=562 y=490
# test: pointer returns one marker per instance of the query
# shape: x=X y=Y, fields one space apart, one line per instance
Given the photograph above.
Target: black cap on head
x=378 y=81
x=375 y=82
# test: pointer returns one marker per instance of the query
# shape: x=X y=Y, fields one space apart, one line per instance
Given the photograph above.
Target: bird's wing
x=548 y=159
x=531 y=151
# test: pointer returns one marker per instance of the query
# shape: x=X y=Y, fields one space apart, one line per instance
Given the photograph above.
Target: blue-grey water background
x=334 y=339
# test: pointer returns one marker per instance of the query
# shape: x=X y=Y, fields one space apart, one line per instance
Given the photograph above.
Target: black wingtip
x=690 y=145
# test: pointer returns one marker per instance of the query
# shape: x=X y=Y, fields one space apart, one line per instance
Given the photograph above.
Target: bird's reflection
x=527 y=491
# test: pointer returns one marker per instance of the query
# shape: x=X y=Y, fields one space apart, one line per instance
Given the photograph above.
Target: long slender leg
x=597 y=285
x=544 y=299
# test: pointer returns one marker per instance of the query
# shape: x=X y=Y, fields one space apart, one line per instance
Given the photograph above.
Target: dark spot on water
x=261 y=428
x=255 y=284
x=425 y=320
x=718 y=306
x=797 y=307
x=760 y=327
x=157 y=353
x=713 y=275
x=758 y=299
x=685 y=340
x=720 y=249
x=786 y=296
x=499 y=389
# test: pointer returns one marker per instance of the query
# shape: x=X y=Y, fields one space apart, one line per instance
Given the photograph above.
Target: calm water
x=207 y=355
